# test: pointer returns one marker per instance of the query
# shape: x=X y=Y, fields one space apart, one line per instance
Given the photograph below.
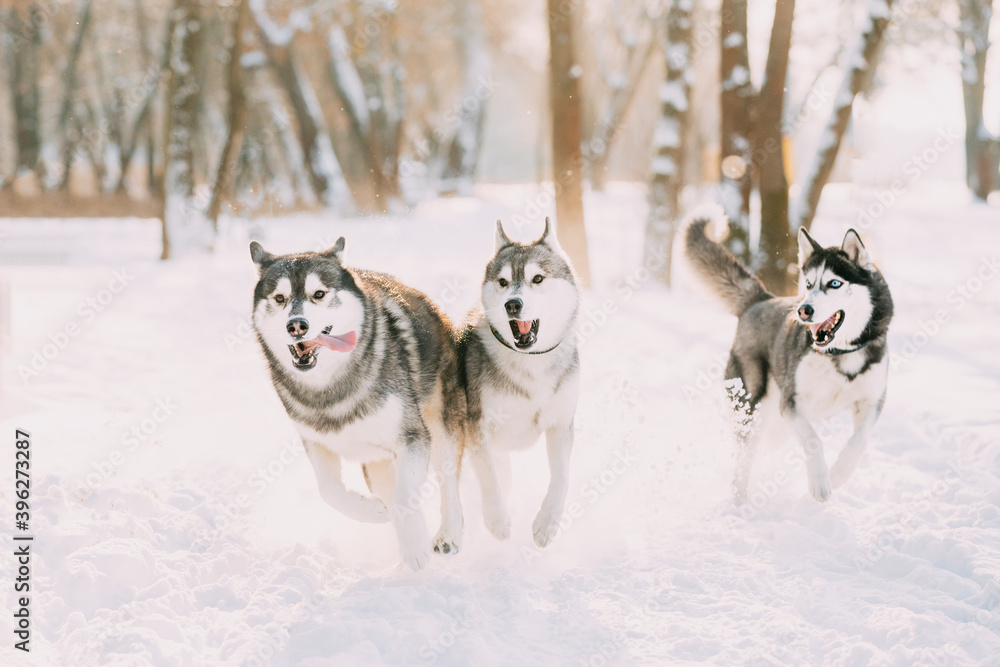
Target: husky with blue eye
x=799 y=360
x=366 y=368
x=521 y=371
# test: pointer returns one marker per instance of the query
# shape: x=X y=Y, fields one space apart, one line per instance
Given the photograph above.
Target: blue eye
x=834 y=284
x=809 y=285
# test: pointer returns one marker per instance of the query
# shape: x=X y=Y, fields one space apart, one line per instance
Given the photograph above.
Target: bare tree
x=23 y=41
x=777 y=248
x=981 y=148
x=669 y=138
x=463 y=150
x=69 y=94
x=181 y=217
x=736 y=148
x=225 y=175
x=862 y=60
x=567 y=163
x=302 y=99
x=619 y=55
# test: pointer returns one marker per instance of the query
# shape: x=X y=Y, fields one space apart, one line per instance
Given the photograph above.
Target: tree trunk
x=71 y=132
x=667 y=179
x=302 y=99
x=974 y=43
x=735 y=179
x=567 y=162
x=151 y=86
x=350 y=124
x=183 y=224
x=619 y=100
x=225 y=175
x=463 y=151
x=777 y=251
x=23 y=41
x=861 y=64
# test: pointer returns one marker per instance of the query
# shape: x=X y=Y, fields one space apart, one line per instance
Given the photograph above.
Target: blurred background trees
x=193 y=111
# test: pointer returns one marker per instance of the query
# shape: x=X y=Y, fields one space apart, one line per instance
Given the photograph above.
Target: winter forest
x=171 y=508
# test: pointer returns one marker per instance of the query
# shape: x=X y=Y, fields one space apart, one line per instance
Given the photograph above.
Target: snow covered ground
x=177 y=521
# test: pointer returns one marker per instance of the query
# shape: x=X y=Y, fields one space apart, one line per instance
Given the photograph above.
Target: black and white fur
x=390 y=400
x=804 y=358
x=522 y=381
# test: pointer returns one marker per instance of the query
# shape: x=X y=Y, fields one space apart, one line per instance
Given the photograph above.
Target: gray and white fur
x=367 y=370
x=798 y=360
x=521 y=371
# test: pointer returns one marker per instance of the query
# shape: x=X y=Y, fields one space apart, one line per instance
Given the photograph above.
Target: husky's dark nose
x=298 y=327
x=805 y=312
x=513 y=307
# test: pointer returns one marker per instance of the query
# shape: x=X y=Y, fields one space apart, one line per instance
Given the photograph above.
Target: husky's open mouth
x=823 y=332
x=525 y=332
x=304 y=353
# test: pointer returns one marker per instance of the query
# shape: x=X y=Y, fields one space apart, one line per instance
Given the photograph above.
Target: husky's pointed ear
x=807 y=246
x=336 y=252
x=260 y=257
x=502 y=240
x=550 y=236
x=855 y=250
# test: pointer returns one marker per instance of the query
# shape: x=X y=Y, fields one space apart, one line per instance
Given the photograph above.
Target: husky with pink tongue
x=366 y=368
x=799 y=360
x=518 y=357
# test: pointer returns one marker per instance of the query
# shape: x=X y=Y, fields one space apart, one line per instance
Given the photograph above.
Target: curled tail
x=719 y=268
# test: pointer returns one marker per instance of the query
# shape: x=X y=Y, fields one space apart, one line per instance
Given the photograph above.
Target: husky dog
x=805 y=357
x=521 y=372
x=366 y=369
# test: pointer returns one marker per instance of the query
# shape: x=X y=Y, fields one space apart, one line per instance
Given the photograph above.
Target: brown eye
x=538 y=279
x=319 y=294
x=279 y=298
x=503 y=282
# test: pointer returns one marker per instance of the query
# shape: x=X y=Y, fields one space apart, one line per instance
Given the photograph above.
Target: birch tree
x=862 y=59
x=669 y=138
x=184 y=225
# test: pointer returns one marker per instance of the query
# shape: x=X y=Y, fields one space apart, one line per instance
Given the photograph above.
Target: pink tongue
x=524 y=326
x=815 y=328
x=342 y=343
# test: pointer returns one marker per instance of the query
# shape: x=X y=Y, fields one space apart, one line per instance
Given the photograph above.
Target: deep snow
x=206 y=541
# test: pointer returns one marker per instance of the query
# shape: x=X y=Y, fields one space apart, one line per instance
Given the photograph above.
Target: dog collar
x=496 y=334
x=837 y=353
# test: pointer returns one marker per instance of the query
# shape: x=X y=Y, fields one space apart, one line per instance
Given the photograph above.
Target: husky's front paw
x=497 y=520
x=819 y=487
x=416 y=556
x=447 y=541
x=367 y=509
x=544 y=528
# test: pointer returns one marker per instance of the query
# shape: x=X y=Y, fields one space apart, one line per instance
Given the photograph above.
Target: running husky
x=366 y=368
x=806 y=357
x=521 y=372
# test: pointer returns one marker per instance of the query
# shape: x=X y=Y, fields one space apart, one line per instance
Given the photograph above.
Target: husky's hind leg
x=745 y=384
